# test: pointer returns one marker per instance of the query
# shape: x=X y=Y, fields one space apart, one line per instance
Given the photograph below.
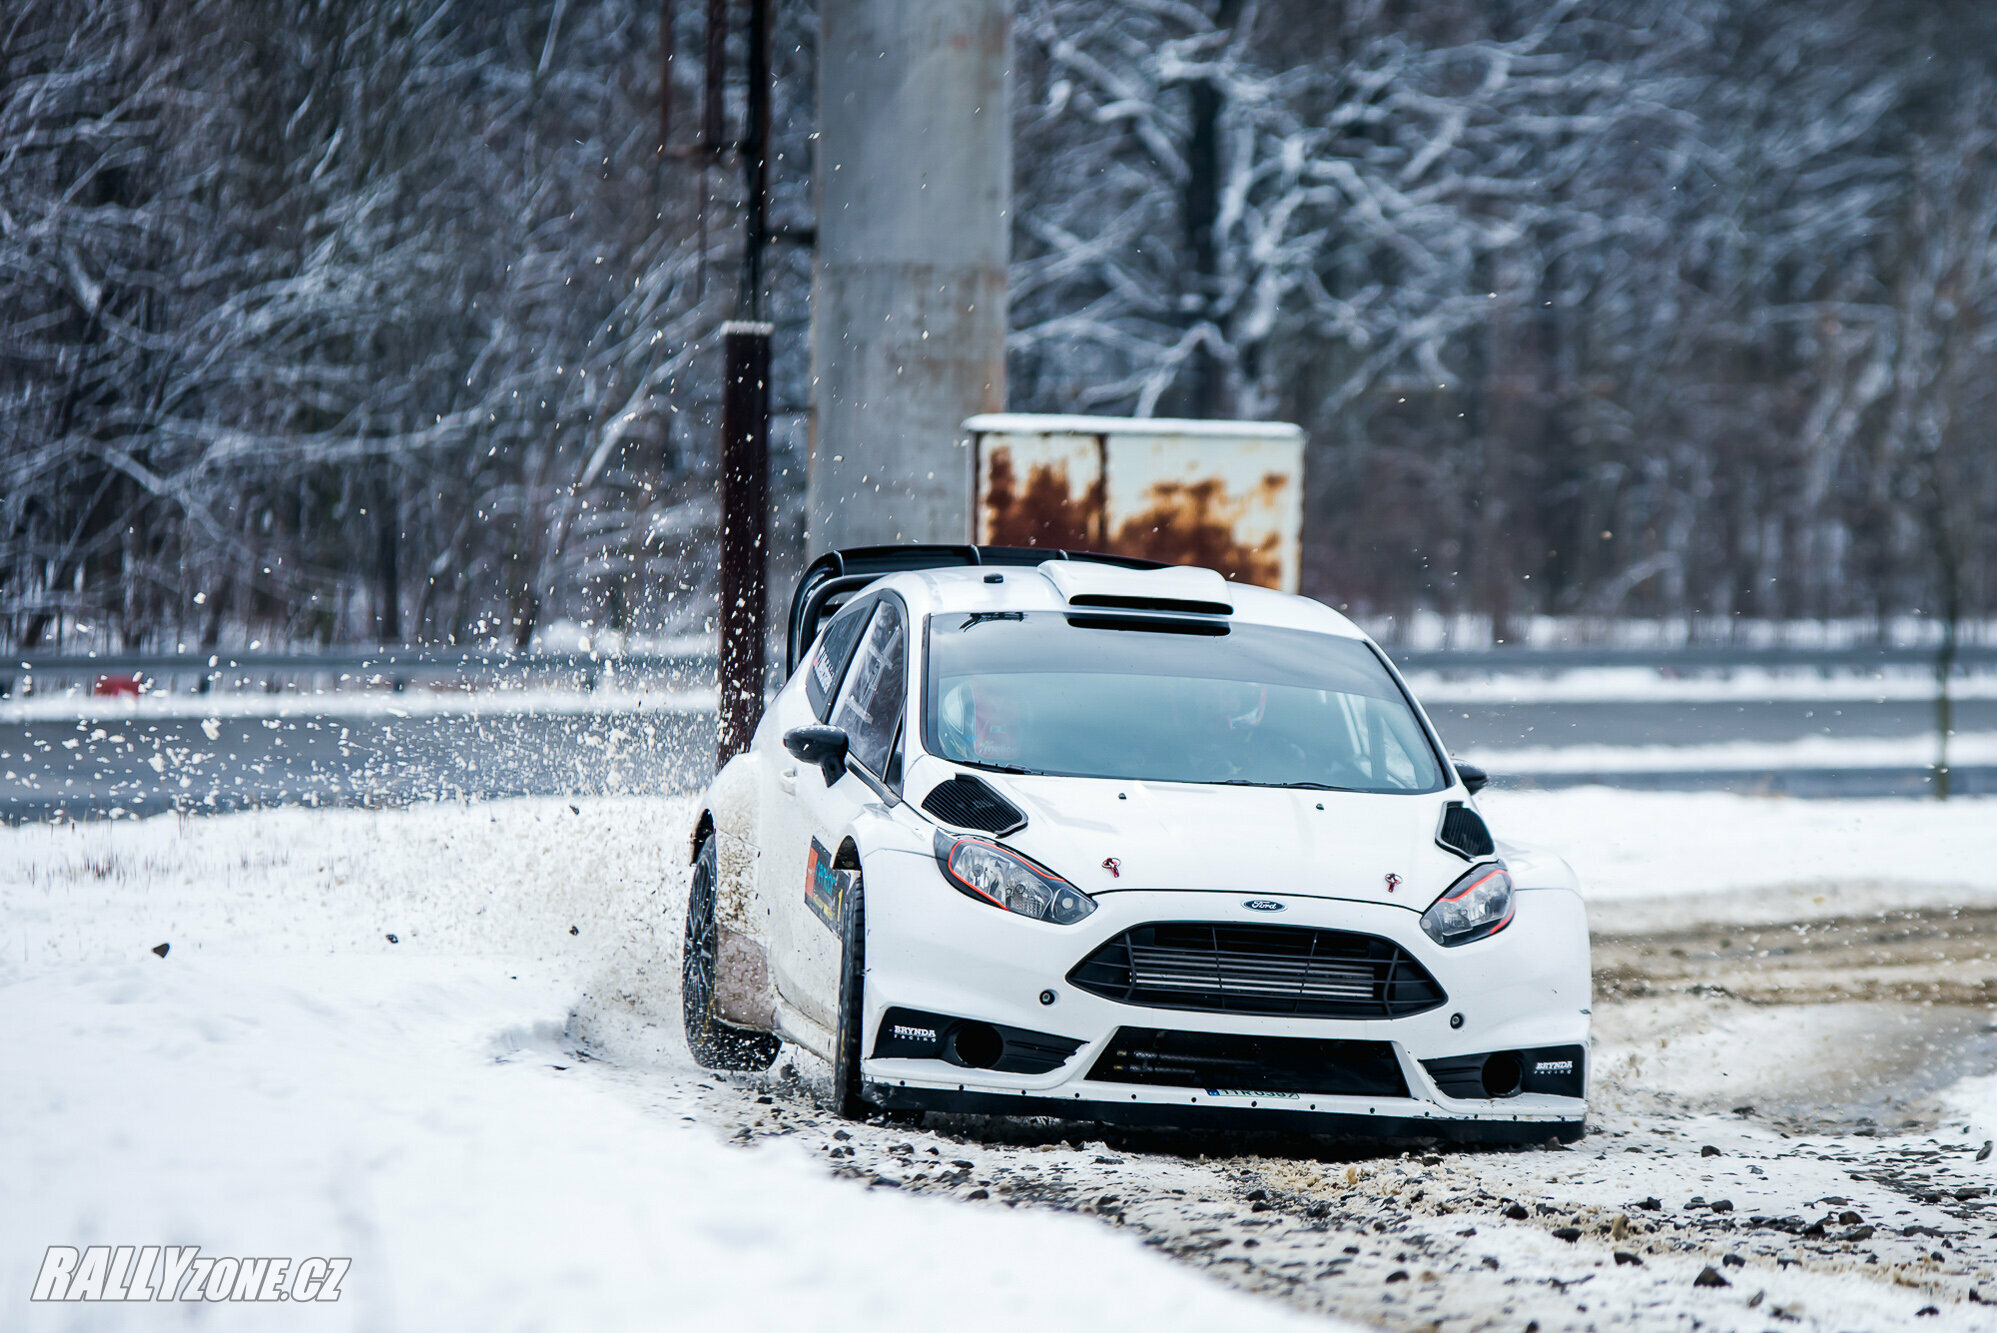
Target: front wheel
x=714 y=1043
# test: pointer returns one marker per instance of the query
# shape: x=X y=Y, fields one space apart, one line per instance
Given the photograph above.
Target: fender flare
x=730 y=817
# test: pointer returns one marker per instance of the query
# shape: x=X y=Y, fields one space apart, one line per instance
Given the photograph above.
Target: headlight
x=1477 y=905
x=1004 y=878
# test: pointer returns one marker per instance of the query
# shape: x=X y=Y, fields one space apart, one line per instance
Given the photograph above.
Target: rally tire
x=847 y=1089
x=714 y=1044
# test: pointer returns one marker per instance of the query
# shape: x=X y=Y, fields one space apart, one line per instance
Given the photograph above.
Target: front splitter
x=898 y=1097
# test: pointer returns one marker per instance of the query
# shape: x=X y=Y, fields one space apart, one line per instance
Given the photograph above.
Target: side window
x=835 y=645
x=870 y=700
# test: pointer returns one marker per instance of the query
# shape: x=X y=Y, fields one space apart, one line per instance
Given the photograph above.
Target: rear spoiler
x=835 y=576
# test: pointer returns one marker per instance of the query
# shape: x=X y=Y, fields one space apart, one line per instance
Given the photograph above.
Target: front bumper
x=931 y=949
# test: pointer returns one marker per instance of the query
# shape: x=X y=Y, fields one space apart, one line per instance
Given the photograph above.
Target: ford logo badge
x=1262 y=905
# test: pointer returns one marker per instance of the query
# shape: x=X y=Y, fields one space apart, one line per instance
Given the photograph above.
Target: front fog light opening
x=1476 y=906
x=973 y=1045
x=1503 y=1073
x=1008 y=881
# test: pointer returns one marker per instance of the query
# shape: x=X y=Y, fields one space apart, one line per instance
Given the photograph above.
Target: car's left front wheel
x=715 y=1044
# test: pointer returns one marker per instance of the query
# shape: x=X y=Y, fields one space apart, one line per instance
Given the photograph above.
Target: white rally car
x=1039 y=833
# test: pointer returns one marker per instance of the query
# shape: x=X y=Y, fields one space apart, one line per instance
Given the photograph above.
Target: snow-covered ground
x=492 y=1115
x=288 y=1081
x=1664 y=685
x=1844 y=753
x=1433 y=630
x=1710 y=850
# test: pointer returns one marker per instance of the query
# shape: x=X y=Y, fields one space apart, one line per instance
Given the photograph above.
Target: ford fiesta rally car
x=1040 y=833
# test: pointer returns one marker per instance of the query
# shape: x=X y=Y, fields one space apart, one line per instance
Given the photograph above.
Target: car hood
x=1270 y=842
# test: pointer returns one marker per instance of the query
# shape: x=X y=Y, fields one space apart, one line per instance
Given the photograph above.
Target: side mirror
x=823 y=746
x=1473 y=777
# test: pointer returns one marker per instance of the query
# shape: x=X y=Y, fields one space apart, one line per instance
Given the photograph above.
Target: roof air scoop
x=1176 y=588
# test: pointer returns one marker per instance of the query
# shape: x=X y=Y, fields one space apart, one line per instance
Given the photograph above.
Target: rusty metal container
x=1224 y=494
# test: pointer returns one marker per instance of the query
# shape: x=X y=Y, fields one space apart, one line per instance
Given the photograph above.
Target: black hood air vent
x=1463 y=832
x=967 y=802
x=1120 y=602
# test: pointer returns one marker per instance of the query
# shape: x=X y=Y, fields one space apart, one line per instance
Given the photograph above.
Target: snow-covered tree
x=384 y=319
x=387 y=318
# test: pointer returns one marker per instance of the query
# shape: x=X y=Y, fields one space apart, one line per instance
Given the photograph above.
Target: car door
x=787 y=823
x=868 y=707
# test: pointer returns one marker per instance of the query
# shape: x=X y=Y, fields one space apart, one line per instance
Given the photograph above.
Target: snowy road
x=224 y=752
x=492 y=1113
x=285 y=754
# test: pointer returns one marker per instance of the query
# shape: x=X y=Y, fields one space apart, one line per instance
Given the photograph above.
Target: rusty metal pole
x=745 y=504
x=745 y=424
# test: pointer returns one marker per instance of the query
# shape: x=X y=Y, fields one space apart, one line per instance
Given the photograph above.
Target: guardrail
x=398 y=665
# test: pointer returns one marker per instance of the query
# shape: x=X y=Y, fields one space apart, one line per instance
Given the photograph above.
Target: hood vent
x=968 y=802
x=1113 y=602
x=1463 y=831
x=1180 y=588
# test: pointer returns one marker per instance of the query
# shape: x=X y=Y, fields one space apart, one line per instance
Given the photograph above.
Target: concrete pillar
x=914 y=180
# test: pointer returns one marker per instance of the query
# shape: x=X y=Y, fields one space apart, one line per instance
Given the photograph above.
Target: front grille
x=1242 y=969
x=1224 y=1062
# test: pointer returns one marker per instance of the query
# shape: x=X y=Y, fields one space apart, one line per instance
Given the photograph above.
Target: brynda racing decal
x=825 y=888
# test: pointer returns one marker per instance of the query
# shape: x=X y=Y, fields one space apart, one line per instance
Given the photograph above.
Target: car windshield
x=1170 y=700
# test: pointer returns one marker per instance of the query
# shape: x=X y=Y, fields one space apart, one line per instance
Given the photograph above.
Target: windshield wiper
x=987 y=617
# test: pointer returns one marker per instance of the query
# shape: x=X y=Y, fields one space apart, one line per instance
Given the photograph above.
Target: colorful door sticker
x=825 y=888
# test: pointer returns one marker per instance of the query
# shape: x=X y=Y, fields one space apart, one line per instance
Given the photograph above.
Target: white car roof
x=1050 y=585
